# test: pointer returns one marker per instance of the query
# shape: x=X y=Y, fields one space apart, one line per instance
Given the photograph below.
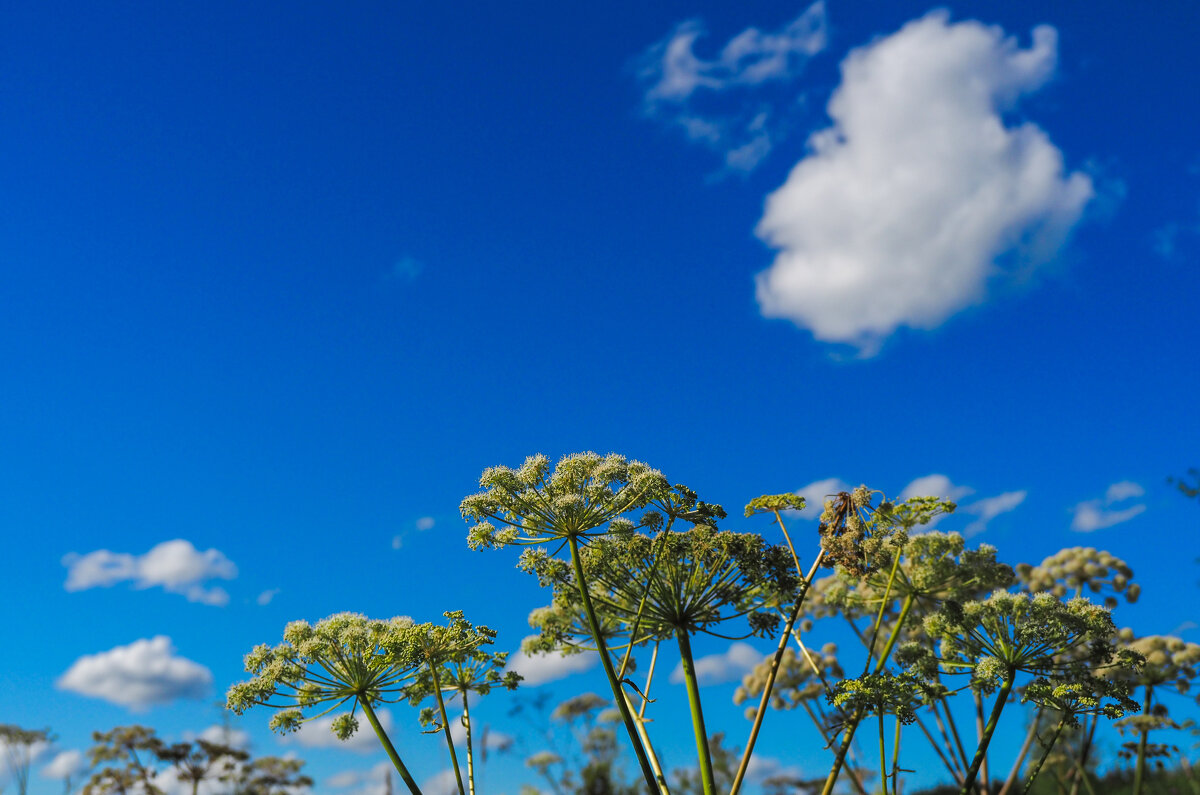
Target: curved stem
x=989 y=730
x=466 y=720
x=437 y=692
x=693 y=691
x=770 y=683
x=983 y=767
x=1037 y=767
x=606 y=662
x=1139 y=774
x=387 y=746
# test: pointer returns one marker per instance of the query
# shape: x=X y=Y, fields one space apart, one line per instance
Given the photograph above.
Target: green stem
x=896 y=758
x=983 y=768
x=606 y=663
x=770 y=683
x=387 y=746
x=693 y=691
x=466 y=719
x=883 y=776
x=1016 y=768
x=848 y=731
x=1139 y=774
x=437 y=692
x=993 y=720
x=1037 y=767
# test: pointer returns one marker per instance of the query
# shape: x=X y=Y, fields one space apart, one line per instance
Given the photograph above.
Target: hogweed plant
x=349 y=659
x=635 y=565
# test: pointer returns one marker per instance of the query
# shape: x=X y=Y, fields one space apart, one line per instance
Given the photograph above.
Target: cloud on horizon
x=1097 y=514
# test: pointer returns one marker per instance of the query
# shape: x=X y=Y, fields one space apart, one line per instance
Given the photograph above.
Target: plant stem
x=1016 y=768
x=983 y=768
x=437 y=692
x=896 y=759
x=466 y=719
x=883 y=775
x=989 y=730
x=1037 y=767
x=693 y=691
x=763 y=703
x=614 y=683
x=387 y=746
x=1139 y=773
x=848 y=731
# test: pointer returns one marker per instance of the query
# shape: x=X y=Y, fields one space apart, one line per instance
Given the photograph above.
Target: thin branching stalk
x=606 y=662
x=848 y=731
x=655 y=764
x=1037 y=766
x=989 y=730
x=441 y=702
x=946 y=762
x=1139 y=772
x=1015 y=772
x=466 y=722
x=896 y=758
x=1085 y=750
x=883 y=774
x=979 y=729
x=391 y=749
x=763 y=703
x=693 y=691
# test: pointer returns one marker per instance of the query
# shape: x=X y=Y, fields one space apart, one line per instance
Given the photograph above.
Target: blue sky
x=280 y=282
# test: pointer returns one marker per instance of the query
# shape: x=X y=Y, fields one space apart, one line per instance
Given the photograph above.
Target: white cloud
x=494 y=740
x=397 y=542
x=31 y=754
x=731 y=665
x=814 y=495
x=762 y=768
x=233 y=738
x=66 y=764
x=989 y=508
x=443 y=783
x=537 y=669
x=935 y=485
x=676 y=78
x=364 y=782
x=919 y=193
x=425 y=523
x=264 y=598
x=1123 y=490
x=144 y=673
x=176 y=566
x=1098 y=514
x=318 y=733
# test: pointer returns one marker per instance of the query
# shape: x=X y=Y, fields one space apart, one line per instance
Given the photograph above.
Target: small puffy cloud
x=538 y=669
x=730 y=666
x=264 y=598
x=762 y=768
x=143 y=674
x=989 y=508
x=935 y=485
x=1098 y=514
x=176 y=566
x=364 y=782
x=1123 y=490
x=66 y=764
x=443 y=783
x=814 y=495
x=318 y=733
x=222 y=735
x=922 y=192
x=425 y=523
x=481 y=736
x=397 y=541
x=685 y=90
x=984 y=509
